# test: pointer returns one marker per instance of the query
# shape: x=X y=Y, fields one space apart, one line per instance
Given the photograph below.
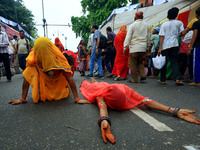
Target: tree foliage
x=17 y=12
x=97 y=11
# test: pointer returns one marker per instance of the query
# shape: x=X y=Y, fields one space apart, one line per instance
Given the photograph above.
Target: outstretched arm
x=184 y=114
x=104 y=121
x=72 y=86
x=25 y=88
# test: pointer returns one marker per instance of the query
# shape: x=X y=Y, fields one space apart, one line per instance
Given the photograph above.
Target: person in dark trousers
x=110 y=51
x=195 y=46
x=169 y=46
x=4 y=56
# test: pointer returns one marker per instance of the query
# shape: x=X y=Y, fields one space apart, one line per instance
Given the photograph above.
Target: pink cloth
x=184 y=47
x=116 y=96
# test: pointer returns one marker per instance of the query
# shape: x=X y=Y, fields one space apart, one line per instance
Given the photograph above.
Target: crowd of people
x=13 y=51
x=133 y=50
x=49 y=68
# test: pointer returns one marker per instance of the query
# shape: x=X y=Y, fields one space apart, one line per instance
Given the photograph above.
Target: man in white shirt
x=4 y=56
x=138 y=39
x=169 y=45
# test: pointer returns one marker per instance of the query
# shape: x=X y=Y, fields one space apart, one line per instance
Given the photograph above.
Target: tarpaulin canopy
x=153 y=15
x=11 y=23
x=159 y=2
x=118 y=11
x=10 y=31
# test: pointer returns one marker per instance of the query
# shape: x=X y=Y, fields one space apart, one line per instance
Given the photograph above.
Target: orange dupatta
x=45 y=57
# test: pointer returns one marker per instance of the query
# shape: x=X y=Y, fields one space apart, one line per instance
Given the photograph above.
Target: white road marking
x=150 y=120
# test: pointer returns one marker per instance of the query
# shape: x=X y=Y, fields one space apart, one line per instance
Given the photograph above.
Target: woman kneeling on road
x=49 y=74
x=119 y=97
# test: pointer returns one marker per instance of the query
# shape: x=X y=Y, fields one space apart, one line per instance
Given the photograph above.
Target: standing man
x=96 y=52
x=4 y=56
x=23 y=49
x=111 y=52
x=137 y=38
x=169 y=46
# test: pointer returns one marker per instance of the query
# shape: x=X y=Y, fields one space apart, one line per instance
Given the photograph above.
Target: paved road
x=46 y=125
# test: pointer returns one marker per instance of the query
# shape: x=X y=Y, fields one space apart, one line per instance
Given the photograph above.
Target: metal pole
x=44 y=20
x=46 y=30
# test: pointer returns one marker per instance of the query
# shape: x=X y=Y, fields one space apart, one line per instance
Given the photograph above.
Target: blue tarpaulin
x=11 y=23
x=118 y=11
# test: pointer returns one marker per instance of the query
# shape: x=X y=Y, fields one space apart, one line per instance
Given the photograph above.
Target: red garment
x=184 y=47
x=59 y=44
x=121 y=61
x=71 y=53
x=116 y=96
x=184 y=17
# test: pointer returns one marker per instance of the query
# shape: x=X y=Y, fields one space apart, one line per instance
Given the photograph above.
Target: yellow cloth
x=45 y=57
x=192 y=22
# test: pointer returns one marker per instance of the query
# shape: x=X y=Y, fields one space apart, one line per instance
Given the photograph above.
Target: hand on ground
x=186 y=114
x=15 y=102
x=83 y=102
x=106 y=132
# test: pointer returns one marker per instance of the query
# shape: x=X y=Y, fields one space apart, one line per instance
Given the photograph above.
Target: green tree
x=97 y=11
x=134 y=1
x=17 y=12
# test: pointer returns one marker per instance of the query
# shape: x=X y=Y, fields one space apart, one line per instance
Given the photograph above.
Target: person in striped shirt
x=4 y=56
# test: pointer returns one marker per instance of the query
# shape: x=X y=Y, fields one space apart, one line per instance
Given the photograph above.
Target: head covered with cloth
x=47 y=57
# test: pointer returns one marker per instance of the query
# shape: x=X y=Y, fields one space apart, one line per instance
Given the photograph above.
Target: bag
x=103 y=42
x=159 y=61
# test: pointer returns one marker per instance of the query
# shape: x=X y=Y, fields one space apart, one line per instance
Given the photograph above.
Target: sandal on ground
x=130 y=81
x=193 y=83
x=179 y=83
x=152 y=76
x=117 y=79
x=160 y=82
x=110 y=76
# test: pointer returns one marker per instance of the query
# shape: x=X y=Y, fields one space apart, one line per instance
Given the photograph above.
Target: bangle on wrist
x=174 y=114
x=23 y=100
x=104 y=118
x=77 y=99
x=168 y=110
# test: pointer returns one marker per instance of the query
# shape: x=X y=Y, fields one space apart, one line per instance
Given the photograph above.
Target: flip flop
x=163 y=83
x=193 y=83
x=179 y=83
x=117 y=79
x=110 y=76
x=130 y=81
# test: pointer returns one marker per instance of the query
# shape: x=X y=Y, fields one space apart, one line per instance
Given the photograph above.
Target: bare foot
x=82 y=80
x=92 y=80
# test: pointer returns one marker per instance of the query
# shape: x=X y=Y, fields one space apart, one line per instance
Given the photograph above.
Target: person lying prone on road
x=119 y=97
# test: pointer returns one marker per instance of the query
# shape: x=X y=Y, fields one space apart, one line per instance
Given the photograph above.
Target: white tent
x=152 y=14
